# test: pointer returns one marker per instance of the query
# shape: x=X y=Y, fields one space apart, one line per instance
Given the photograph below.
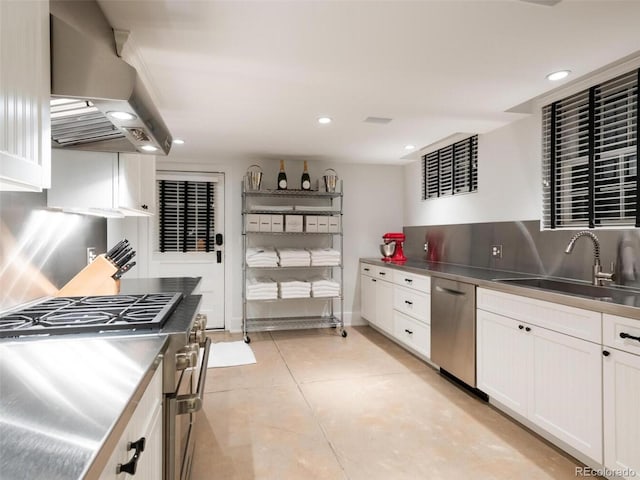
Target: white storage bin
x=253 y=222
x=323 y=224
x=265 y=223
x=310 y=223
x=293 y=223
x=334 y=224
x=277 y=223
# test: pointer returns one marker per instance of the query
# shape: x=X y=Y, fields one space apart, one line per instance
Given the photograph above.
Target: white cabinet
x=107 y=184
x=550 y=378
x=621 y=384
x=145 y=423
x=25 y=143
x=503 y=355
x=376 y=296
x=384 y=305
x=398 y=303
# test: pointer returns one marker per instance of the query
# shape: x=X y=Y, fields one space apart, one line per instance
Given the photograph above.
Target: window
x=451 y=170
x=186 y=213
x=589 y=157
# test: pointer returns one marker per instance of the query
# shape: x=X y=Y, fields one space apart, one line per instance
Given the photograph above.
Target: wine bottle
x=305 y=181
x=282 y=177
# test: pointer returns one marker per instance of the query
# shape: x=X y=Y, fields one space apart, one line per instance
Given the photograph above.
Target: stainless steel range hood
x=98 y=100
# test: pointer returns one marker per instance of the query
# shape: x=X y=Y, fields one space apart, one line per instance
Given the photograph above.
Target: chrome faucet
x=599 y=277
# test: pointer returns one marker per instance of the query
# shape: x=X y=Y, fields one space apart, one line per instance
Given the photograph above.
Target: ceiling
x=248 y=79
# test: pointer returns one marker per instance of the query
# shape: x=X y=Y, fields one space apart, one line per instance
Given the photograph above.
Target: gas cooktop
x=90 y=314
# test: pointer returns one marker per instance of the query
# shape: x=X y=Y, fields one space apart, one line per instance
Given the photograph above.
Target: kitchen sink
x=580 y=289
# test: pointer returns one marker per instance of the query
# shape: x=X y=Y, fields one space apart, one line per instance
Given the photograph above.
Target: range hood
x=98 y=101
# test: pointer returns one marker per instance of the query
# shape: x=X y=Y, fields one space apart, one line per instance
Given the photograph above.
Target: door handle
x=218 y=256
x=191 y=403
x=450 y=291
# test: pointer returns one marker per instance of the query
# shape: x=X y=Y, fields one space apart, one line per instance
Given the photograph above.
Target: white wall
x=509 y=181
x=372 y=206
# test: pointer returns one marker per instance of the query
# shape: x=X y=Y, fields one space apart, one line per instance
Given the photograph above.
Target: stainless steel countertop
x=63 y=398
x=625 y=303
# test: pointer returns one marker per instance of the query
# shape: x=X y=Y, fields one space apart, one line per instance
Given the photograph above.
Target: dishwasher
x=453 y=328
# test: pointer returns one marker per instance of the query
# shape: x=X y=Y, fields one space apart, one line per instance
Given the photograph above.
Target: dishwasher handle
x=450 y=291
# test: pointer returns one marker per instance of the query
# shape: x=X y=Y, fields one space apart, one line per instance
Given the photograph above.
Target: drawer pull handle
x=606 y=353
x=366 y=269
x=521 y=327
x=408 y=280
x=408 y=302
x=408 y=331
x=630 y=337
x=382 y=273
x=373 y=280
x=527 y=329
x=132 y=465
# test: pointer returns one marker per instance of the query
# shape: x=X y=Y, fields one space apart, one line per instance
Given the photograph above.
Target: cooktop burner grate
x=91 y=314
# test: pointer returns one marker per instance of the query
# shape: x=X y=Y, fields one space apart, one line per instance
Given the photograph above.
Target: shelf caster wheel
x=247 y=339
x=344 y=334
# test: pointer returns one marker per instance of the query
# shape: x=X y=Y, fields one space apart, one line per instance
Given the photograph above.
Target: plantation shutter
x=451 y=170
x=589 y=155
x=186 y=215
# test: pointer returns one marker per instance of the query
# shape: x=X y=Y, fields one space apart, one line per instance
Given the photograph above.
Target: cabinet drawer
x=412 y=333
x=412 y=303
x=367 y=269
x=383 y=272
x=411 y=280
x=576 y=322
x=613 y=326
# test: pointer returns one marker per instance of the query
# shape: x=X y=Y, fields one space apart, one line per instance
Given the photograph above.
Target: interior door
x=185 y=244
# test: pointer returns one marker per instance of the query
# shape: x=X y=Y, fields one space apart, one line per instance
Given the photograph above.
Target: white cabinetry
x=145 y=423
x=398 y=303
x=376 y=296
x=25 y=142
x=98 y=183
x=412 y=311
x=621 y=384
x=528 y=364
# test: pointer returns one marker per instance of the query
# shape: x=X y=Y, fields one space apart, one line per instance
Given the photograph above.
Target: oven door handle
x=192 y=403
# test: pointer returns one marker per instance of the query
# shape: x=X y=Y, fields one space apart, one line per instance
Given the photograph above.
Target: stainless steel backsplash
x=41 y=250
x=526 y=249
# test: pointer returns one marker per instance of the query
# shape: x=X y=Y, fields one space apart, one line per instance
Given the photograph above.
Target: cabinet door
x=621 y=372
x=384 y=305
x=136 y=184
x=146 y=422
x=367 y=298
x=503 y=352
x=565 y=396
x=25 y=143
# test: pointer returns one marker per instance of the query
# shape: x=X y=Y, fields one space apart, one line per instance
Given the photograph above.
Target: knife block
x=94 y=279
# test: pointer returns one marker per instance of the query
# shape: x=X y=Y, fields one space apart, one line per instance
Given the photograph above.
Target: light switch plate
x=496 y=251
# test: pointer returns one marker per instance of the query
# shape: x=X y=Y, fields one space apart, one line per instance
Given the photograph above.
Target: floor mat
x=230 y=354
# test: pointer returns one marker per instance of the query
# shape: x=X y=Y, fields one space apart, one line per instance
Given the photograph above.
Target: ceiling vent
x=378 y=120
x=546 y=3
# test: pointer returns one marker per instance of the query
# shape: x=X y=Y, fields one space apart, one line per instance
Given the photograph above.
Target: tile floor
x=318 y=406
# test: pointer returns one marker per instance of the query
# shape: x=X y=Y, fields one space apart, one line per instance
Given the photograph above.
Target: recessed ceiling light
x=178 y=141
x=409 y=147
x=559 y=75
x=324 y=120
x=148 y=148
x=122 y=115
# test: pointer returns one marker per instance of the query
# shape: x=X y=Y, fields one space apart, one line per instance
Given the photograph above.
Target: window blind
x=451 y=170
x=589 y=157
x=186 y=216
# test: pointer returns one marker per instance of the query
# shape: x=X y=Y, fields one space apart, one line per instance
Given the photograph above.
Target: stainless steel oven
x=185 y=401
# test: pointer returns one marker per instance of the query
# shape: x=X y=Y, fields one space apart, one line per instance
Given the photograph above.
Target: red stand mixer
x=398 y=239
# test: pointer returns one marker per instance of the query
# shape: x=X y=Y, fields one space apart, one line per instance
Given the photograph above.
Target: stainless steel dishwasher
x=453 y=328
